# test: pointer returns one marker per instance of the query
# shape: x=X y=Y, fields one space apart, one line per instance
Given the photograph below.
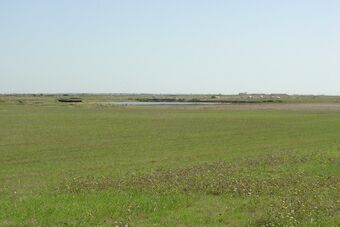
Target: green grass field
x=84 y=164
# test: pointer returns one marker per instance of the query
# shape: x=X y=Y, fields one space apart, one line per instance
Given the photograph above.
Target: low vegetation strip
x=293 y=197
x=196 y=100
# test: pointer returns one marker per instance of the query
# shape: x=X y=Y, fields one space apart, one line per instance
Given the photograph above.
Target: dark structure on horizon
x=70 y=100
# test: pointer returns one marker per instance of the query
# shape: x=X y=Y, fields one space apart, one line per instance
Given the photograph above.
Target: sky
x=170 y=46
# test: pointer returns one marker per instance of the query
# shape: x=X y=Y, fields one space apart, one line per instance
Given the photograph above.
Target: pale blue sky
x=173 y=46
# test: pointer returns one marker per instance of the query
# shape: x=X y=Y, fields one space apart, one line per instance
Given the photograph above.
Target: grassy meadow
x=88 y=164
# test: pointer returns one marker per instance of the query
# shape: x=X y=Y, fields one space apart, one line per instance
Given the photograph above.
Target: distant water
x=167 y=103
